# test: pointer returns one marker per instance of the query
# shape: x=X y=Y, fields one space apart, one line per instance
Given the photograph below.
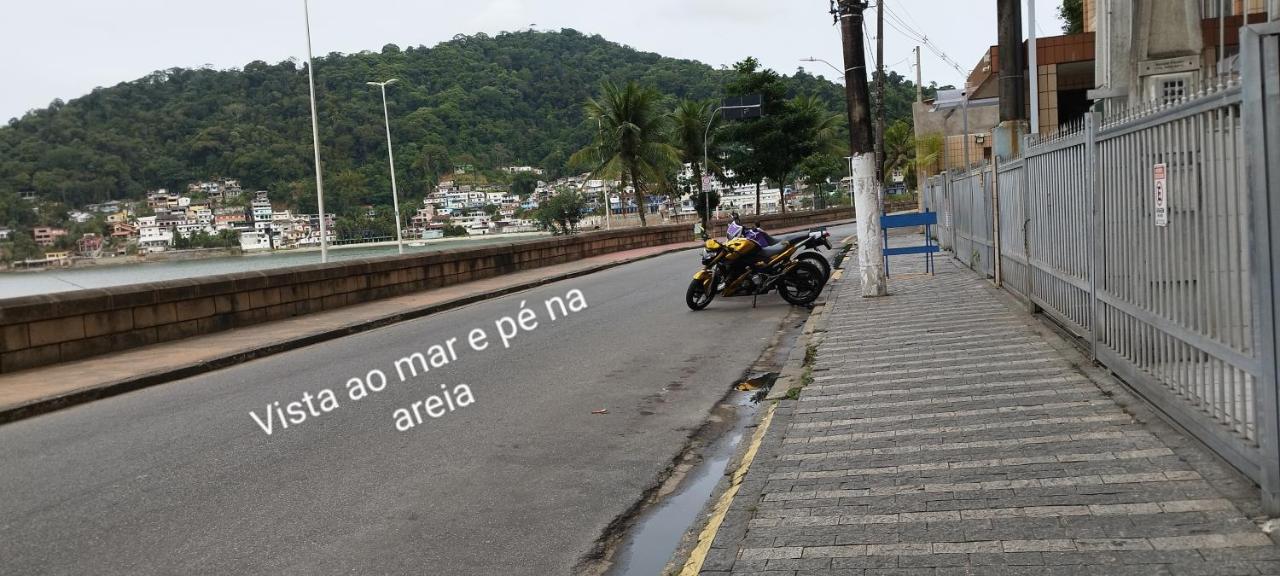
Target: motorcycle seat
x=774 y=249
x=793 y=238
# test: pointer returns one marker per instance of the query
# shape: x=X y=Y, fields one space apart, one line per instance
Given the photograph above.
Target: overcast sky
x=66 y=48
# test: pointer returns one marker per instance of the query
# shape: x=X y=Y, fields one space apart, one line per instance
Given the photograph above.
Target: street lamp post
x=706 y=135
x=391 y=159
x=315 y=140
x=851 y=202
x=608 y=200
x=706 y=198
x=842 y=73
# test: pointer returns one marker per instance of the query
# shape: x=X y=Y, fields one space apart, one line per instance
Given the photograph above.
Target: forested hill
x=476 y=100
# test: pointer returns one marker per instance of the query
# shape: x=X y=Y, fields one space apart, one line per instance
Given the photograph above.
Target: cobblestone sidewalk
x=946 y=433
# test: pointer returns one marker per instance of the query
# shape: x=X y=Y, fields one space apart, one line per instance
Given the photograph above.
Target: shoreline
x=198 y=254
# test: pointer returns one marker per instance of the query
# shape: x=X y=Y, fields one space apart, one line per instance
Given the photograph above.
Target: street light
x=706 y=135
x=315 y=140
x=391 y=158
x=842 y=73
x=608 y=200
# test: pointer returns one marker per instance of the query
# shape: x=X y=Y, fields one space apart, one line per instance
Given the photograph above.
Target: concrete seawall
x=48 y=329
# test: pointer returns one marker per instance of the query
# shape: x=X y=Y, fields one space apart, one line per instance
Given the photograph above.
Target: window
x=1172 y=90
x=1167 y=89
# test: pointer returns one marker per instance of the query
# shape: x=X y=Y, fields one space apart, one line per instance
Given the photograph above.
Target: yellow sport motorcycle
x=754 y=265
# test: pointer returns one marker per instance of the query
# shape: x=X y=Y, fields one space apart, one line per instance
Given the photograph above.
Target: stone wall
x=60 y=327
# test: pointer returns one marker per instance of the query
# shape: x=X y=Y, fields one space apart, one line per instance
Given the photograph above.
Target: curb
x=779 y=408
x=115 y=388
x=792 y=375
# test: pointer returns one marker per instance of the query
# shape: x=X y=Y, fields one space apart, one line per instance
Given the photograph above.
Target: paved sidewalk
x=946 y=432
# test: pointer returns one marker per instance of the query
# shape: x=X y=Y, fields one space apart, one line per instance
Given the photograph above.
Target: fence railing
x=1150 y=238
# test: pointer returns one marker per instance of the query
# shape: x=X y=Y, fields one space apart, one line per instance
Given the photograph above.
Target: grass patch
x=793 y=393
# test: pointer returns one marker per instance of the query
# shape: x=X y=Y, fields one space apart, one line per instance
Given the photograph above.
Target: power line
x=898 y=23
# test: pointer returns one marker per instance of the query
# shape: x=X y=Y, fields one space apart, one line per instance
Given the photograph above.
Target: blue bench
x=926 y=219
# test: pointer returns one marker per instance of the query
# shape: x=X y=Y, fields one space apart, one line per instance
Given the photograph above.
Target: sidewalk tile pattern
x=943 y=436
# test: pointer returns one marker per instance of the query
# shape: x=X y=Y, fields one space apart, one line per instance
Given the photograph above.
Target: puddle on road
x=652 y=541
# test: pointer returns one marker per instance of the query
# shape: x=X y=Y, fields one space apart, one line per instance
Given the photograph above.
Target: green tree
x=900 y=150
x=695 y=141
x=825 y=129
x=703 y=201
x=561 y=213
x=817 y=171
x=24 y=247
x=523 y=184
x=456 y=103
x=789 y=130
x=1072 y=14
x=631 y=143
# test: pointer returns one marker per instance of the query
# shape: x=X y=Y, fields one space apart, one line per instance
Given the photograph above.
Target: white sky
x=64 y=48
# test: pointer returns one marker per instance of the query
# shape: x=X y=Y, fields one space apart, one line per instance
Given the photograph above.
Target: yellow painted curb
x=708 y=534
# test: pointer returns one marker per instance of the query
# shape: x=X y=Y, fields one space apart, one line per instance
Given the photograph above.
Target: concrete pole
x=1012 y=98
x=880 y=107
x=1222 y=38
x=964 y=120
x=1013 y=108
x=864 y=187
x=919 y=87
x=315 y=140
x=1033 y=69
x=391 y=159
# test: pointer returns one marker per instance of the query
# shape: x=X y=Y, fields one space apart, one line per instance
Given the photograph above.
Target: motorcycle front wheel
x=697 y=296
x=802 y=284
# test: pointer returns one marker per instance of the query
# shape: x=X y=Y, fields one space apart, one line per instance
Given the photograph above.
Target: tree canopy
x=480 y=101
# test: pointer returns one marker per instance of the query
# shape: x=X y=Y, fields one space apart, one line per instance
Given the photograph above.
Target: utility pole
x=919 y=88
x=1033 y=67
x=863 y=185
x=880 y=107
x=1013 y=107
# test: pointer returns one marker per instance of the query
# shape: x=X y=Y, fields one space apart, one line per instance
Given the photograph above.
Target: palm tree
x=903 y=151
x=631 y=143
x=824 y=129
x=695 y=141
x=824 y=125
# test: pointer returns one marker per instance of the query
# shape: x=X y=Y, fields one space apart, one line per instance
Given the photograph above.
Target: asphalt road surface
x=179 y=479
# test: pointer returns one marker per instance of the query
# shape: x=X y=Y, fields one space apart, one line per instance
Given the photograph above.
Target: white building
x=742 y=199
x=154 y=238
x=251 y=240
x=201 y=214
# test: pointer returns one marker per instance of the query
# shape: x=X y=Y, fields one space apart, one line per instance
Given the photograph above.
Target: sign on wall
x=1162 y=194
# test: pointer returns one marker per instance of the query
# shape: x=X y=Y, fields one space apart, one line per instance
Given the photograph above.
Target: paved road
x=178 y=479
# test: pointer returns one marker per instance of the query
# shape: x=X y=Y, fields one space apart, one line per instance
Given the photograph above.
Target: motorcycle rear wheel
x=697 y=297
x=818 y=260
x=802 y=285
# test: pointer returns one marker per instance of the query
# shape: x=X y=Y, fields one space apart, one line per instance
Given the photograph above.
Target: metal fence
x=1148 y=234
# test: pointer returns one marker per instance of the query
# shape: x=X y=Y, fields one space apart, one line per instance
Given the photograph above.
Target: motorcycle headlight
x=707 y=256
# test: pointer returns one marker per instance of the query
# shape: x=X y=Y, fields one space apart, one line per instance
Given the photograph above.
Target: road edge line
x=708 y=535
